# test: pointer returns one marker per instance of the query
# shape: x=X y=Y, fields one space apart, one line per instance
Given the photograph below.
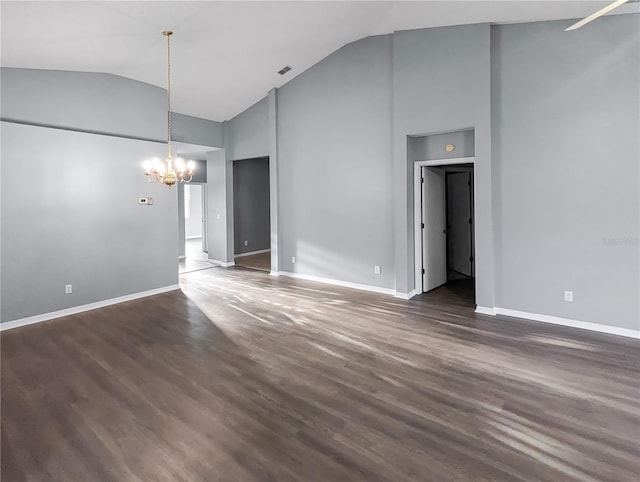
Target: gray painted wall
x=251 y=205
x=90 y=102
x=427 y=148
x=57 y=118
x=567 y=154
x=274 y=196
x=194 y=130
x=98 y=103
x=83 y=227
x=247 y=134
x=182 y=247
x=441 y=83
x=220 y=206
x=334 y=153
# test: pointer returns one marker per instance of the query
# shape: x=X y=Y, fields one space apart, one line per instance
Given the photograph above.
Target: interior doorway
x=194 y=205
x=445 y=228
x=251 y=213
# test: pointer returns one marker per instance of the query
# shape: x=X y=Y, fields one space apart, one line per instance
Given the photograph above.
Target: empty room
x=320 y=241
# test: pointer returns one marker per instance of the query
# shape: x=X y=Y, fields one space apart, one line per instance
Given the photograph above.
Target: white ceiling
x=225 y=55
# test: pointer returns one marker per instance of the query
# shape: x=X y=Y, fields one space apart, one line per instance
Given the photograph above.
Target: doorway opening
x=251 y=214
x=445 y=228
x=194 y=197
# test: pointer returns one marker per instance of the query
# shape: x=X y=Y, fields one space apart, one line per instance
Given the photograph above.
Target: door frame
x=417 y=209
x=204 y=206
x=205 y=216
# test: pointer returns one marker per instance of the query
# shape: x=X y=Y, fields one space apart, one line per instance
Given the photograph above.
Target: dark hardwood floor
x=245 y=377
x=260 y=261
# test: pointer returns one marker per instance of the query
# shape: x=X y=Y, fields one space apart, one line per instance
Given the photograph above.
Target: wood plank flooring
x=248 y=377
x=260 y=261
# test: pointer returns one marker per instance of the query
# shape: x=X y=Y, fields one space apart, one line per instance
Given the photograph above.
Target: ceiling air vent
x=284 y=70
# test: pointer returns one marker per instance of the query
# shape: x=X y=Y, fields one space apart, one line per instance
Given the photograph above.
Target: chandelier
x=172 y=169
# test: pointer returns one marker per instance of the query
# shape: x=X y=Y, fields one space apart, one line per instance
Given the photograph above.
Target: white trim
x=417 y=210
x=224 y=264
x=79 y=309
x=405 y=296
x=197 y=236
x=584 y=325
x=447 y=162
x=274 y=273
x=345 y=284
x=485 y=310
x=252 y=252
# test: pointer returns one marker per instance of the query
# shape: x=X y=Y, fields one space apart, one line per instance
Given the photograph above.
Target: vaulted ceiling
x=225 y=55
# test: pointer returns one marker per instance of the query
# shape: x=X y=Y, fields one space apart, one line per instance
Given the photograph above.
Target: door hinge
x=422 y=225
x=422 y=270
x=422 y=180
x=470 y=221
x=471 y=258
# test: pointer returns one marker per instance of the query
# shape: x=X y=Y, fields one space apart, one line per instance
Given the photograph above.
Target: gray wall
x=334 y=151
x=251 y=205
x=441 y=83
x=78 y=221
x=98 y=103
x=90 y=102
x=567 y=153
x=427 y=148
x=220 y=206
x=194 y=130
x=247 y=134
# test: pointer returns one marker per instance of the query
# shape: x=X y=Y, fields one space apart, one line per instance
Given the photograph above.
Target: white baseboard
x=79 y=309
x=274 y=273
x=485 y=311
x=584 y=325
x=405 y=296
x=224 y=264
x=252 y=252
x=345 y=284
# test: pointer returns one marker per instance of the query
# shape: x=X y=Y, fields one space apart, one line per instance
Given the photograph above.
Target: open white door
x=434 y=241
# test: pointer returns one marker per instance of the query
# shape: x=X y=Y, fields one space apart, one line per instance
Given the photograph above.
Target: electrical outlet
x=568 y=295
x=376 y=270
x=68 y=289
x=293 y=260
x=246 y=243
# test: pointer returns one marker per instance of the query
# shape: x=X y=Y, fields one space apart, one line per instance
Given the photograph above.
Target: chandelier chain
x=170 y=171
x=168 y=35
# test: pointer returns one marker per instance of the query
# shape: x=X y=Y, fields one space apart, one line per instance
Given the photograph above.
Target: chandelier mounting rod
x=168 y=34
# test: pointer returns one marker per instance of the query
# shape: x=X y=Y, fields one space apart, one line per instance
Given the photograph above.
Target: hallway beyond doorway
x=259 y=261
x=195 y=259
